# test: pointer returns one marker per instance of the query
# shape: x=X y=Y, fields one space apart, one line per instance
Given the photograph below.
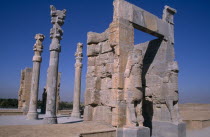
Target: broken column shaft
x=56 y=33
x=32 y=114
x=77 y=81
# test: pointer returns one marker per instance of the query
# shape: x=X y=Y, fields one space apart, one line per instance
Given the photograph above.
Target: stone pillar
x=77 y=81
x=56 y=33
x=32 y=114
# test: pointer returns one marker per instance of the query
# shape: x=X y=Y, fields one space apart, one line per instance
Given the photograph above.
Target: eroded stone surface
x=136 y=83
x=77 y=81
x=56 y=33
x=32 y=114
x=25 y=90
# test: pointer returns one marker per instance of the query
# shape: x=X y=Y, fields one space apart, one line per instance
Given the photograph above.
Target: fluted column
x=32 y=113
x=77 y=81
x=56 y=33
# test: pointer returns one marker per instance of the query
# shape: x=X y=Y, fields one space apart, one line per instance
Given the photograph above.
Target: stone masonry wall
x=129 y=84
x=25 y=90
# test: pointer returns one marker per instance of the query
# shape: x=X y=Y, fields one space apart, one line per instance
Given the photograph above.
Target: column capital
x=78 y=53
x=78 y=65
x=38 y=47
x=58 y=17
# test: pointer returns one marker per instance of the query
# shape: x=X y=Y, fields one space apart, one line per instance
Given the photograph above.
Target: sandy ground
x=18 y=126
x=56 y=130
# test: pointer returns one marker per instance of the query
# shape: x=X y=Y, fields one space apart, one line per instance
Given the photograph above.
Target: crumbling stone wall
x=25 y=90
x=129 y=84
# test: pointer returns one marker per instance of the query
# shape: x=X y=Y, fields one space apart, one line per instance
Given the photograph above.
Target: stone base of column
x=50 y=120
x=168 y=129
x=76 y=114
x=133 y=132
x=32 y=116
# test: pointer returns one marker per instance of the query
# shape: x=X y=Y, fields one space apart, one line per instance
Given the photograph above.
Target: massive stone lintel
x=142 y=19
x=56 y=33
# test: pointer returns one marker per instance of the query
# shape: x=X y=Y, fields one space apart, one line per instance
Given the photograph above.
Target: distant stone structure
x=56 y=33
x=44 y=96
x=77 y=81
x=37 y=59
x=25 y=90
x=132 y=86
x=196 y=116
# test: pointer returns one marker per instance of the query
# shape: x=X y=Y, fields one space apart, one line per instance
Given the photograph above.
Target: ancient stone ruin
x=132 y=89
x=131 y=86
x=77 y=81
x=37 y=59
x=25 y=90
x=56 y=33
x=44 y=96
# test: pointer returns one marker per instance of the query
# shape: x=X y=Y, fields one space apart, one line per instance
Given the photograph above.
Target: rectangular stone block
x=91 y=61
x=168 y=129
x=150 y=21
x=91 y=72
x=93 y=83
x=95 y=38
x=88 y=113
x=118 y=81
x=108 y=98
x=92 y=97
x=138 y=16
x=142 y=19
x=93 y=49
x=105 y=58
x=106 y=83
x=121 y=36
x=102 y=114
x=119 y=114
x=105 y=47
x=133 y=132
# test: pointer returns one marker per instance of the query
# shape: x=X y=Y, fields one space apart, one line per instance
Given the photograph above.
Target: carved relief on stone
x=56 y=33
x=171 y=81
x=133 y=88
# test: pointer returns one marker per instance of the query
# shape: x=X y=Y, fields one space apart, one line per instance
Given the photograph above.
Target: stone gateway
x=133 y=87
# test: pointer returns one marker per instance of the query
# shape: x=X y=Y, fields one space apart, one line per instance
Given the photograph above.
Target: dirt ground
x=59 y=130
x=18 y=126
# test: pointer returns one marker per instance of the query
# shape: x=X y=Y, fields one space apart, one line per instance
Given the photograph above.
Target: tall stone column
x=32 y=114
x=56 y=33
x=77 y=81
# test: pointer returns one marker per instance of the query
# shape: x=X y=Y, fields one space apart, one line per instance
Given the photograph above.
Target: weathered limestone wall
x=196 y=116
x=160 y=80
x=25 y=90
x=134 y=85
